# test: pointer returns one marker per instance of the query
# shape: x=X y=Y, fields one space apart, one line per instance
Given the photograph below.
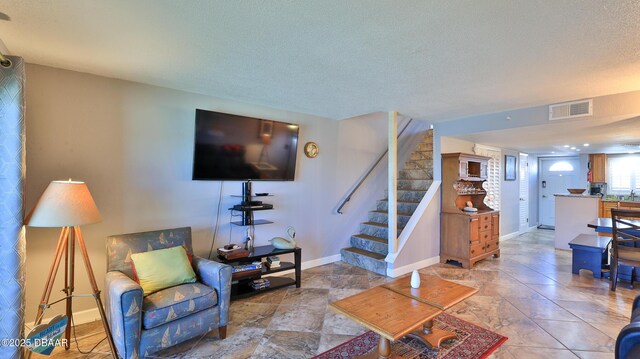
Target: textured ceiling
x=434 y=60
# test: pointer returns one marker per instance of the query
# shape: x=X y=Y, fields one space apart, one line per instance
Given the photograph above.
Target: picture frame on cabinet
x=509 y=168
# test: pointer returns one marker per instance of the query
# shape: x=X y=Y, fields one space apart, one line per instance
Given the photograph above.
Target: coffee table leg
x=384 y=350
x=432 y=336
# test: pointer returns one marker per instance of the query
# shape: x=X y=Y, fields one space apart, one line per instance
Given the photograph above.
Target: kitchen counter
x=637 y=200
x=577 y=195
x=573 y=212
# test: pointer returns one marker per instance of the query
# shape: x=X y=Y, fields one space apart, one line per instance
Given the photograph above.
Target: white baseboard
x=506 y=237
x=321 y=261
x=79 y=317
x=396 y=272
x=511 y=235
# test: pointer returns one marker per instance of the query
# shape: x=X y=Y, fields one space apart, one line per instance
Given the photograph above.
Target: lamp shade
x=64 y=204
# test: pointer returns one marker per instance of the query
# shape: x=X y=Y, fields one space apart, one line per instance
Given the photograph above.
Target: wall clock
x=311 y=149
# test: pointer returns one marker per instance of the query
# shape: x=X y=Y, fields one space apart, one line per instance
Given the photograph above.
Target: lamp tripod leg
x=60 y=250
x=69 y=279
x=96 y=291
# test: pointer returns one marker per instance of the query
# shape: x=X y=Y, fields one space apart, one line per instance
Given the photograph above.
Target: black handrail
x=348 y=198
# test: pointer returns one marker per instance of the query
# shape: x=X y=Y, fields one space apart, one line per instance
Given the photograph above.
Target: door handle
x=544 y=196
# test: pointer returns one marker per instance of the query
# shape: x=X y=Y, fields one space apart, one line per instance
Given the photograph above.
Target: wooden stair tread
x=377 y=224
x=400 y=200
x=371 y=238
x=363 y=252
x=387 y=213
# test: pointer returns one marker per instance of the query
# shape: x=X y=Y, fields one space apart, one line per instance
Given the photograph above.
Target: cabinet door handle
x=473 y=251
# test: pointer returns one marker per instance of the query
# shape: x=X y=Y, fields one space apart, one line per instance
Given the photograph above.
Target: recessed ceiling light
x=586 y=145
x=566 y=146
x=578 y=150
x=553 y=151
x=573 y=148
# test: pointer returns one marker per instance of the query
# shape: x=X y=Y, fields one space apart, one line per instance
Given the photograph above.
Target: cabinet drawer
x=485 y=222
x=485 y=236
x=491 y=245
x=476 y=249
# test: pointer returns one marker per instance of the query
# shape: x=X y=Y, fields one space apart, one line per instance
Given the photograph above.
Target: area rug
x=472 y=342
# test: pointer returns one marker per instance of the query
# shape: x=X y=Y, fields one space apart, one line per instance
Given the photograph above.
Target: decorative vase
x=283 y=243
x=415 y=279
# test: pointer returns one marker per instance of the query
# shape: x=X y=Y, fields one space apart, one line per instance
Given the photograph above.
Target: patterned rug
x=473 y=342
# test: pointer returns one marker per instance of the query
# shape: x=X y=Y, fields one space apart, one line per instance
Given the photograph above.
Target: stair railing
x=363 y=178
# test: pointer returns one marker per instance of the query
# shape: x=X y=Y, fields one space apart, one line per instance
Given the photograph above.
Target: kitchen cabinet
x=467 y=237
x=605 y=207
x=598 y=167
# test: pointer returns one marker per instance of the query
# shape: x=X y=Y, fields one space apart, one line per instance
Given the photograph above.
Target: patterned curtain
x=12 y=170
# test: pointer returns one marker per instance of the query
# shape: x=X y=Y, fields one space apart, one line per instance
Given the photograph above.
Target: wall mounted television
x=233 y=147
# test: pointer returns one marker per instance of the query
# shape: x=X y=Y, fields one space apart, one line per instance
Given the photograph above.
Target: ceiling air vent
x=574 y=109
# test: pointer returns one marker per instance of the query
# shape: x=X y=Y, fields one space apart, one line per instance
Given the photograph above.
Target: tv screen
x=232 y=147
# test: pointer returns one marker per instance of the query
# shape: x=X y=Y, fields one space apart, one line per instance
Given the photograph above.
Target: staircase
x=370 y=247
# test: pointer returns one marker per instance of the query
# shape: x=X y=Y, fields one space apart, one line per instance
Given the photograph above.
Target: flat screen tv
x=232 y=147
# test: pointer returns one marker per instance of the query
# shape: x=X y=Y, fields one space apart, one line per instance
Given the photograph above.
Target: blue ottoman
x=589 y=253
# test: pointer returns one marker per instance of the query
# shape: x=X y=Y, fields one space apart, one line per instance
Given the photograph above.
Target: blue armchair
x=141 y=325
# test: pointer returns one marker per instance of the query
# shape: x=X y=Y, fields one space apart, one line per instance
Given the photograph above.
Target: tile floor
x=528 y=295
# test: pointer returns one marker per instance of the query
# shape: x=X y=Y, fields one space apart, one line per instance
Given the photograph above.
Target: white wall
x=533 y=191
x=133 y=145
x=509 y=198
x=452 y=145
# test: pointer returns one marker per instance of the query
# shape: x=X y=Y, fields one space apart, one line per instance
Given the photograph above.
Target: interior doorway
x=524 y=191
x=556 y=175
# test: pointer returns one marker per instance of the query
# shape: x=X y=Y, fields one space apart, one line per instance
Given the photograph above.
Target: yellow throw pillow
x=162 y=268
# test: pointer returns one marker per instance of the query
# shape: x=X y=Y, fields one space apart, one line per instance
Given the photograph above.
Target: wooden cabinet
x=605 y=207
x=467 y=237
x=598 y=167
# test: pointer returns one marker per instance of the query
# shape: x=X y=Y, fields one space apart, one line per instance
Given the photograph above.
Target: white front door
x=556 y=175
x=524 y=191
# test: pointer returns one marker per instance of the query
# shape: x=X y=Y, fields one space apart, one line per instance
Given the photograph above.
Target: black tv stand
x=240 y=287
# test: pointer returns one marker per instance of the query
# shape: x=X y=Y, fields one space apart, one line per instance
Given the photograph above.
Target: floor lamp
x=68 y=204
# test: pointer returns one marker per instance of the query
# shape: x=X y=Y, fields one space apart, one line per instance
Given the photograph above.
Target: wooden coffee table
x=395 y=310
x=437 y=292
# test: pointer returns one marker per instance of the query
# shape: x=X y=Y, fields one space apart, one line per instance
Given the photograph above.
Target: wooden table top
x=433 y=290
x=386 y=312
